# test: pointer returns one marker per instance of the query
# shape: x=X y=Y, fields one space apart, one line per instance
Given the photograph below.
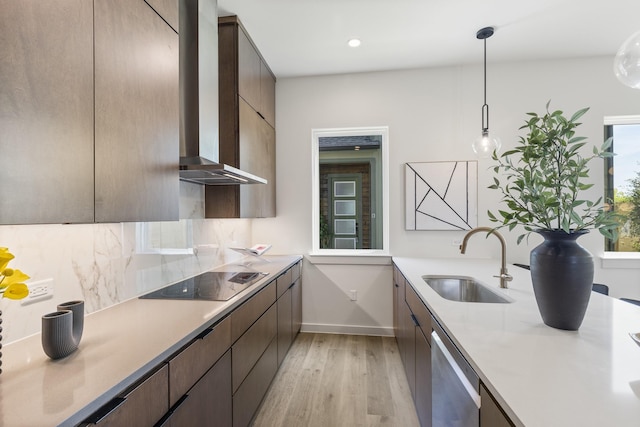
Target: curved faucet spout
x=504 y=274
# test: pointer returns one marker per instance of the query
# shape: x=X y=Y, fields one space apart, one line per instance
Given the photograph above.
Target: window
x=622 y=180
x=165 y=238
x=350 y=185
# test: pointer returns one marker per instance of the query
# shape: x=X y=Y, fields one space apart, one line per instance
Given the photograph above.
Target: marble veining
x=101 y=263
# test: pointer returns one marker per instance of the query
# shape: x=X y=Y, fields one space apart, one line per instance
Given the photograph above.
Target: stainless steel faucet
x=504 y=275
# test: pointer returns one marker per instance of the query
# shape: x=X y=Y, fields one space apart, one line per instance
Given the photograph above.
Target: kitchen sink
x=464 y=289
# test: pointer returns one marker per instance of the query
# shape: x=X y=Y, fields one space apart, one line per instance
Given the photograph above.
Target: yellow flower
x=11 y=281
x=5 y=257
x=14 y=278
x=16 y=291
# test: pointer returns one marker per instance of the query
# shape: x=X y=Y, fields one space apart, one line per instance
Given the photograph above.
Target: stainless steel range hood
x=199 y=142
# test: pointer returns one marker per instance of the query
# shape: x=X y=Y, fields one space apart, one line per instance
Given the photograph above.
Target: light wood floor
x=339 y=380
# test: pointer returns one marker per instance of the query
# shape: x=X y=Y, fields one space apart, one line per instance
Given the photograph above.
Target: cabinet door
x=142 y=405
x=268 y=171
x=491 y=415
x=396 y=316
x=284 y=282
x=285 y=328
x=409 y=338
x=137 y=114
x=168 y=10
x=191 y=363
x=420 y=312
x=296 y=307
x=46 y=112
x=401 y=313
x=257 y=156
x=249 y=64
x=423 y=378
x=251 y=310
x=247 y=398
x=248 y=349
x=209 y=402
x=267 y=95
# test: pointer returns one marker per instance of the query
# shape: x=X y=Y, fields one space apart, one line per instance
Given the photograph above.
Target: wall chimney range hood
x=199 y=142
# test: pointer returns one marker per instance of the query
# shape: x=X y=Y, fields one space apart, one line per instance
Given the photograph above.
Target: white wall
x=432 y=114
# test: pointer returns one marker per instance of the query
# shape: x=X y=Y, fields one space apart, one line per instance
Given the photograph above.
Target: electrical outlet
x=38 y=291
x=353 y=295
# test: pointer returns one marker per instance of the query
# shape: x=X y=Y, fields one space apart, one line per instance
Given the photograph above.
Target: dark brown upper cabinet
x=88 y=112
x=247 y=126
x=137 y=114
x=46 y=112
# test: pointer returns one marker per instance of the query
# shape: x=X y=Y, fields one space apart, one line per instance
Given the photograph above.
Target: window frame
x=316 y=134
x=145 y=237
x=610 y=258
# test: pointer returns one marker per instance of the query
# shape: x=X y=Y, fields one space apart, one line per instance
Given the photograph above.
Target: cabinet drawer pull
x=166 y=419
x=178 y=403
x=415 y=320
x=396 y=285
x=204 y=333
x=106 y=410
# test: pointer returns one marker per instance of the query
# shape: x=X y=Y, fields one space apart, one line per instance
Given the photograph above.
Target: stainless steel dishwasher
x=455 y=393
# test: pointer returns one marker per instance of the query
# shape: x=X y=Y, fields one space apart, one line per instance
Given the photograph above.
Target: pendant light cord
x=485 y=106
x=484 y=34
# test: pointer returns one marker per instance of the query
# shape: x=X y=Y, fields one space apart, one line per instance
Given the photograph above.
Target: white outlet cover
x=38 y=291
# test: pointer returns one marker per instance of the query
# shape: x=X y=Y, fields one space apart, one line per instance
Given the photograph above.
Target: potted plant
x=541 y=180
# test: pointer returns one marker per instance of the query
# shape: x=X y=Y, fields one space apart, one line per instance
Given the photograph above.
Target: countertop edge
x=220 y=311
x=587 y=377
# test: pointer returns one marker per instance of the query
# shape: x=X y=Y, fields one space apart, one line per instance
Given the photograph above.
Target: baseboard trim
x=347 y=329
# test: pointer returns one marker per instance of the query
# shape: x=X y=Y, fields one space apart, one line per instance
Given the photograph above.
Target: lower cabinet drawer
x=208 y=403
x=296 y=271
x=284 y=282
x=420 y=311
x=248 y=349
x=245 y=315
x=285 y=336
x=142 y=405
x=248 y=397
x=191 y=363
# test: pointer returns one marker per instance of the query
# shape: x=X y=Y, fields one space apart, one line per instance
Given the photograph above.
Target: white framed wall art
x=441 y=195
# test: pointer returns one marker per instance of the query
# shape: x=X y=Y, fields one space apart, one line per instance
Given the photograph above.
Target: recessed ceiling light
x=354 y=42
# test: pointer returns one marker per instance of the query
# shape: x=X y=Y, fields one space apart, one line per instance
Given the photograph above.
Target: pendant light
x=626 y=65
x=486 y=143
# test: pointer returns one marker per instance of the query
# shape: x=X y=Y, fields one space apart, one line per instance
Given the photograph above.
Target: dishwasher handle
x=470 y=389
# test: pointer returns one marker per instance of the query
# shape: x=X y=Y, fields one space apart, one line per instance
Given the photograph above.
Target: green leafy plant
x=542 y=177
x=325 y=234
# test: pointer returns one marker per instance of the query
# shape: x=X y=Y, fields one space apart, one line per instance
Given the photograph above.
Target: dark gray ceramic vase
x=62 y=330
x=562 y=276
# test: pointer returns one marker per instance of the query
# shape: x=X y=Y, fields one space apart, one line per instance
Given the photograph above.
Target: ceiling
x=309 y=37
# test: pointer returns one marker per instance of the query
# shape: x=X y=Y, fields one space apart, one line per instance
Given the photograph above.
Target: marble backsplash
x=104 y=264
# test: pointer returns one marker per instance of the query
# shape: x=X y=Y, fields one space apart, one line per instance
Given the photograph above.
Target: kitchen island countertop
x=119 y=345
x=541 y=376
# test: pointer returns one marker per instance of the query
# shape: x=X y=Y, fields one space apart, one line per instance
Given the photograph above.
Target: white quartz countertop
x=541 y=376
x=118 y=346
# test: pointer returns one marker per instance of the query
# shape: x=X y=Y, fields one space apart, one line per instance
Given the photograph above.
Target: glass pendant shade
x=485 y=144
x=626 y=65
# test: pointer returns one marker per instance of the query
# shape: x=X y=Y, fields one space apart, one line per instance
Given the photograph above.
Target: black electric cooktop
x=211 y=286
